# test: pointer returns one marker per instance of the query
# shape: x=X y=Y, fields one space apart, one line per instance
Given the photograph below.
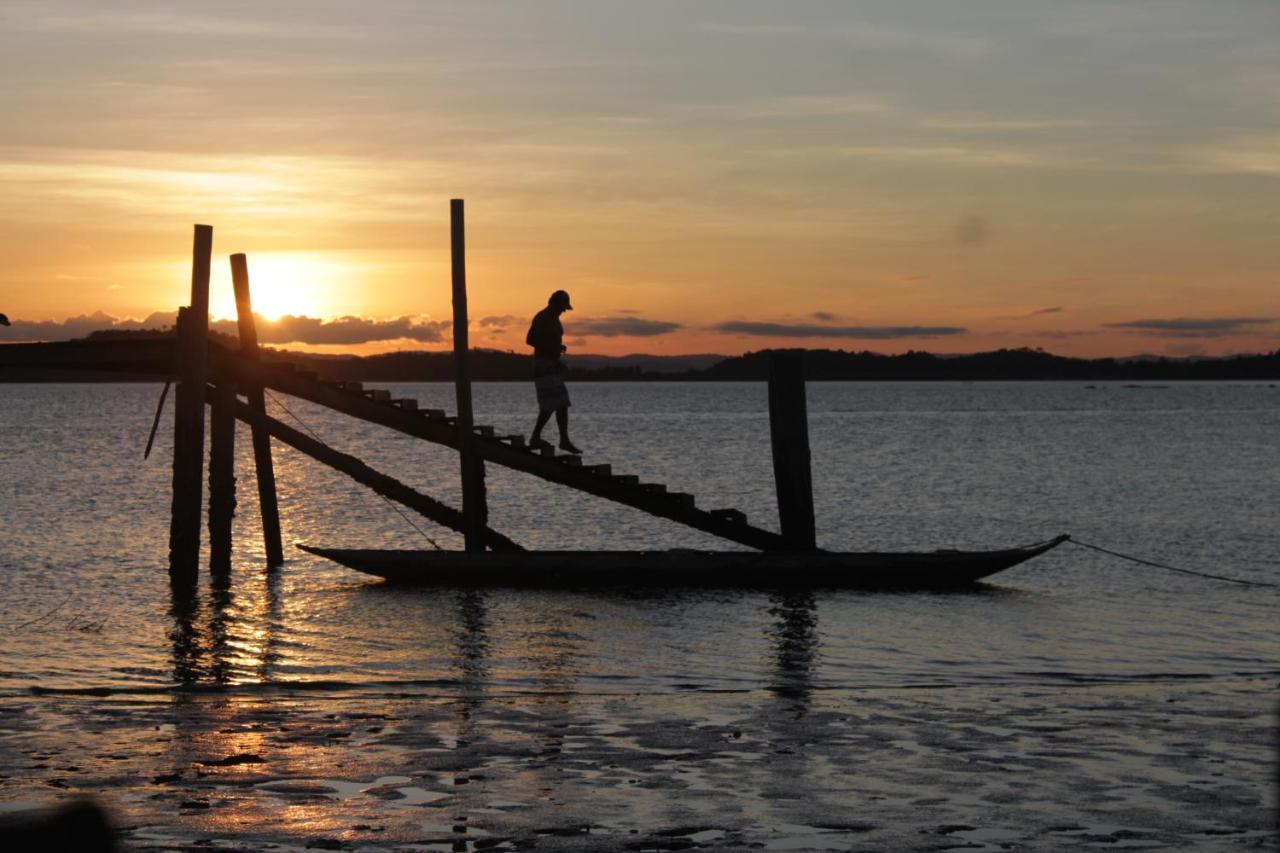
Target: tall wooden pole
x=222 y=478
x=474 y=504
x=188 y=418
x=789 y=435
x=254 y=394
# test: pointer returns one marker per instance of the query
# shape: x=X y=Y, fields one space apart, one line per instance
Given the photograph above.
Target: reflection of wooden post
x=474 y=507
x=222 y=477
x=188 y=418
x=253 y=392
x=789 y=435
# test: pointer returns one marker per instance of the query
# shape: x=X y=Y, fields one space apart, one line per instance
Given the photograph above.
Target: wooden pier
x=233 y=383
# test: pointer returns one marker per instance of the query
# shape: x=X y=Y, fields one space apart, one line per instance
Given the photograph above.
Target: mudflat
x=1168 y=765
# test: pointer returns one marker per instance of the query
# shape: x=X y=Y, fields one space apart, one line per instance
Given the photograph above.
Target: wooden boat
x=684 y=568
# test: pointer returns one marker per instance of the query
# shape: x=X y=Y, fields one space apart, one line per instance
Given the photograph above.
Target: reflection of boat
x=676 y=568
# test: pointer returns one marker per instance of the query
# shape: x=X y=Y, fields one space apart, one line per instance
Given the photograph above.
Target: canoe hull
x=683 y=568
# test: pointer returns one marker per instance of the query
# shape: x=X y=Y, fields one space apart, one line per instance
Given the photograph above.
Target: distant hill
x=1006 y=364
x=819 y=365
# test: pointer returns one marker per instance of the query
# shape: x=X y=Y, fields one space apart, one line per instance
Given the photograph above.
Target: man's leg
x=543 y=417
x=562 y=422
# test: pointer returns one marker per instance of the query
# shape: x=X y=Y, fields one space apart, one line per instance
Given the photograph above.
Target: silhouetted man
x=546 y=336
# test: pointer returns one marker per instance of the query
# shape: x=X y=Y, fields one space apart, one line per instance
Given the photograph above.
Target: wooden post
x=222 y=478
x=254 y=394
x=474 y=504
x=188 y=418
x=789 y=435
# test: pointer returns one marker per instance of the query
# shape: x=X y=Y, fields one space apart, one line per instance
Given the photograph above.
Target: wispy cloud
x=1194 y=327
x=500 y=321
x=1057 y=309
x=809 y=330
x=622 y=327
x=1255 y=154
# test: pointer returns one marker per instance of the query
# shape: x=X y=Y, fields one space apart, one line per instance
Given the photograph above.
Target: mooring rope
x=1141 y=561
x=386 y=499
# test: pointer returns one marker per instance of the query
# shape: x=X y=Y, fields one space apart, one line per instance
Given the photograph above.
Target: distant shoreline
x=820 y=365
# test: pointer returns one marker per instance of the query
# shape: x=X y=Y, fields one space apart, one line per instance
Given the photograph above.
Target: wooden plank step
x=513 y=440
x=653 y=488
x=733 y=516
x=380 y=395
x=570 y=459
x=625 y=479
x=546 y=450
x=599 y=470
x=406 y=403
x=434 y=414
x=353 y=387
x=681 y=499
x=483 y=431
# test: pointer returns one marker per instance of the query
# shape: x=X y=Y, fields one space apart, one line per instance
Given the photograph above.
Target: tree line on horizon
x=819 y=365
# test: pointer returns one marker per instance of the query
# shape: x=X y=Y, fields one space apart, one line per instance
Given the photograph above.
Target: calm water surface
x=1187 y=474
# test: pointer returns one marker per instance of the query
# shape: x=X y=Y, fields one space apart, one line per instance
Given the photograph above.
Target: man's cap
x=560 y=297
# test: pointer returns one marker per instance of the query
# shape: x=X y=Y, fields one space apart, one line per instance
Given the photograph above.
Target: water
x=1185 y=474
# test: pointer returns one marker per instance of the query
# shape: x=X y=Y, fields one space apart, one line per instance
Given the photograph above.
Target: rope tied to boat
x=1167 y=567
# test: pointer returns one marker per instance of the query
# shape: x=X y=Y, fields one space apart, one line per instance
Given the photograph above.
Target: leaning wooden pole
x=383 y=484
x=188 y=418
x=789 y=435
x=254 y=394
x=222 y=477
x=474 y=502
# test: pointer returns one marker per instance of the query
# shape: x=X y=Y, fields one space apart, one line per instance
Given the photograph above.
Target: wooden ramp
x=510 y=451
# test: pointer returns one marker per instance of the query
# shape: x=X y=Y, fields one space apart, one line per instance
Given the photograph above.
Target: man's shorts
x=548 y=380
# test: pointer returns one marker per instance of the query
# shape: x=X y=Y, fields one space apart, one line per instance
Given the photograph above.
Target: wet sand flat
x=1186 y=765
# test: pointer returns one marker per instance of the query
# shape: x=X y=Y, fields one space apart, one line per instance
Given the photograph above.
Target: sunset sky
x=1090 y=178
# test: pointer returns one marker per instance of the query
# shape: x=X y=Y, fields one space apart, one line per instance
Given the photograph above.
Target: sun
x=280 y=283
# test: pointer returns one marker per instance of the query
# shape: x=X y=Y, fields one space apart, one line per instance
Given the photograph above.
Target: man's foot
x=567 y=446
x=537 y=442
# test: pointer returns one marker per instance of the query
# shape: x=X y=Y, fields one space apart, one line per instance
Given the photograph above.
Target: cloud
x=498 y=321
x=349 y=330
x=1193 y=327
x=288 y=329
x=622 y=327
x=1057 y=309
x=824 y=316
x=79 y=326
x=971 y=230
x=808 y=330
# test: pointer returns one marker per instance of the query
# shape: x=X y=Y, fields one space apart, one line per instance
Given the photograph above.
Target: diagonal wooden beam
x=387 y=486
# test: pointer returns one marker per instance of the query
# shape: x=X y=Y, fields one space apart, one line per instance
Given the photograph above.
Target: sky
x=703 y=177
